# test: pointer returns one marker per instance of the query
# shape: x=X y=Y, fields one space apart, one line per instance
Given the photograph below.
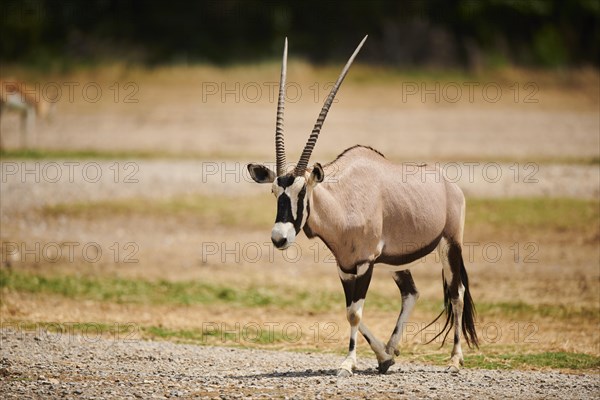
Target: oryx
x=373 y=211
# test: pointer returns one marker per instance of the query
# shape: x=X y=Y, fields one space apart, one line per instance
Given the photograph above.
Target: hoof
x=453 y=369
x=343 y=373
x=385 y=365
x=396 y=352
x=455 y=363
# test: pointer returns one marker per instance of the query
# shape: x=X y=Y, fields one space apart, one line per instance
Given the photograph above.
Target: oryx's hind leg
x=455 y=293
x=459 y=305
x=355 y=290
x=410 y=295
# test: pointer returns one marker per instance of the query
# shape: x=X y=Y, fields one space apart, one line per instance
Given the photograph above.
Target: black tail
x=468 y=317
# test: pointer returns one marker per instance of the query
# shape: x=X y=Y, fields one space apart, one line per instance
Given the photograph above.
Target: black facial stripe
x=284 y=209
x=300 y=210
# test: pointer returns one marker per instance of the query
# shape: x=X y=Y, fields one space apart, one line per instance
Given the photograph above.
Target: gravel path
x=68 y=366
x=31 y=184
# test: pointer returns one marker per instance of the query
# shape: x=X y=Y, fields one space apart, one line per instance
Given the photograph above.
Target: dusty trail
x=65 y=366
x=30 y=184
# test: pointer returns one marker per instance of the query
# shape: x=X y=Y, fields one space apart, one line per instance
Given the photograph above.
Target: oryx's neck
x=325 y=217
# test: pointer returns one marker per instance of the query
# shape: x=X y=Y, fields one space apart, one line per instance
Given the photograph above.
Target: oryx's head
x=293 y=189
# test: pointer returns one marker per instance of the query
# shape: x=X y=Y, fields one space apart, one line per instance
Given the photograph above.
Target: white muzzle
x=283 y=235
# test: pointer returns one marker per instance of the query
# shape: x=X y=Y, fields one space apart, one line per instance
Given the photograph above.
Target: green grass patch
x=560 y=215
x=521 y=309
x=517 y=309
x=162 y=292
x=550 y=360
x=212 y=333
x=249 y=335
x=186 y=335
x=129 y=291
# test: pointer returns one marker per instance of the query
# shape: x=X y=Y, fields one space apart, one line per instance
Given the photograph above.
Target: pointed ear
x=317 y=175
x=261 y=174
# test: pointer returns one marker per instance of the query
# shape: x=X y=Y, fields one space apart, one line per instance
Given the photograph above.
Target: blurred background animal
x=27 y=101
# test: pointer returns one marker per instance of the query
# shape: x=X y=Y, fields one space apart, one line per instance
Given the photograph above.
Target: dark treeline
x=438 y=33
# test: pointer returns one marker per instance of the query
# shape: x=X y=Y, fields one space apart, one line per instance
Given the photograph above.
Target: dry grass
x=524 y=307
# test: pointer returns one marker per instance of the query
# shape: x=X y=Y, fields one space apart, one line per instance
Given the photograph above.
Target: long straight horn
x=312 y=139
x=279 y=142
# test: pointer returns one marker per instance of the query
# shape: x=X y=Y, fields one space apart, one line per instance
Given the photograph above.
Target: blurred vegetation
x=435 y=33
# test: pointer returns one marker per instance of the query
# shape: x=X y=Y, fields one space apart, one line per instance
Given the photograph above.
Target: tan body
x=387 y=212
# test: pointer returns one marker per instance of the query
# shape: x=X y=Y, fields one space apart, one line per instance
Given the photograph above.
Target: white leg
x=354 y=315
x=410 y=295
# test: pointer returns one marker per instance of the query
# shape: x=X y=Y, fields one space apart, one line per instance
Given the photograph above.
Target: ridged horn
x=279 y=141
x=312 y=139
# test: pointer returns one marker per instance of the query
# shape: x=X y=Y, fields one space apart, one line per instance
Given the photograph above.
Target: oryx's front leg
x=355 y=290
x=410 y=295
